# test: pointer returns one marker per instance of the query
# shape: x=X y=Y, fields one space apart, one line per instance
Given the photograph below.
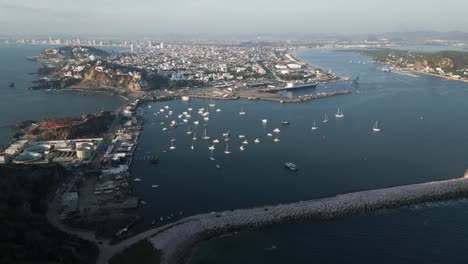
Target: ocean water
x=423 y=138
x=20 y=103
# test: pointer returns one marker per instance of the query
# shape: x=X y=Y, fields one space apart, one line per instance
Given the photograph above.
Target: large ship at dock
x=300 y=85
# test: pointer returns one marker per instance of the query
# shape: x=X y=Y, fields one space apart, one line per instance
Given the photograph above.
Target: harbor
x=345 y=154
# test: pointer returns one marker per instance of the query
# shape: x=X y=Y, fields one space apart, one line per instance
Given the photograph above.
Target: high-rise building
x=162 y=45
x=131 y=48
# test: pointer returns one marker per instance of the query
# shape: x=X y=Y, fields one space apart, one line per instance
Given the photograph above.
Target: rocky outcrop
x=87 y=126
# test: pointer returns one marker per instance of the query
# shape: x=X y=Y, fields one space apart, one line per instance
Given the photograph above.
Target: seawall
x=176 y=242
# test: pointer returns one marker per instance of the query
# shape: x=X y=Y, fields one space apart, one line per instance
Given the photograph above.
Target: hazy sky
x=138 y=17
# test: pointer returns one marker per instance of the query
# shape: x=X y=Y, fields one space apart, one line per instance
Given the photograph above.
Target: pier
x=177 y=239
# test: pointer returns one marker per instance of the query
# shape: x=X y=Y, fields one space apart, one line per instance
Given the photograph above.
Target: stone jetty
x=177 y=239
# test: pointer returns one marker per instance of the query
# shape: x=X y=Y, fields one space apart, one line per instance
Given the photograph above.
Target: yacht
x=216 y=141
x=376 y=127
x=276 y=140
x=245 y=142
x=170 y=112
x=167 y=107
x=205 y=136
x=188 y=116
x=190 y=109
x=196 y=123
x=325 y=119
x=174 y=123
x=211 y=155
x=137 y=180
x=164 y=129
x=194 y=136
x=211 y=148
x=264 y=121
x=241 y=136
x=226 y=134
x=276 y=130
x=206 y=118
x=161 y=110
x=257 y=140
x=227 y=152
x=172 y=147
x=185 y=113
x=218 y=110
x=290 y=166
x=188 y=131
x=285 y=123
x=212 y=104
x=314 y=127
x=339 y=113
x=242 y=112
x=185 y=121
x=180 y=116
x=200 y=112
x=270 y=134
x=242 y=148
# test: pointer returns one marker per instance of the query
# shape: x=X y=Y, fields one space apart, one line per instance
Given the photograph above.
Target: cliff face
x=94 y=77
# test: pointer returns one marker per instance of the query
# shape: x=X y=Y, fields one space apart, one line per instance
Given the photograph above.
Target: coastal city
x=195 y=132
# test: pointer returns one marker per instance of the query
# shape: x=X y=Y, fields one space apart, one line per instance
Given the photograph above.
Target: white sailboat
x=172 y=147
x=189 y=132
x=227 y=151
x=211 y=148
x=242 y=112
x=276 y=139
x=211 y=154
x=376 y=127
x=192 y=147
x=212 y=104
x=339 y=113
x=194 y=136
x=242 y=148
x=314 y=127
x=325 y=119
x=218 y=110
x=264 y=121
x=205 y=136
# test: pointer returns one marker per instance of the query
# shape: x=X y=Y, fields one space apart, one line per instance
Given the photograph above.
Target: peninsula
x=452 y=65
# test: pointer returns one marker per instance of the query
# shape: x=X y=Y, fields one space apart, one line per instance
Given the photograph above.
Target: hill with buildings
x=453 y=64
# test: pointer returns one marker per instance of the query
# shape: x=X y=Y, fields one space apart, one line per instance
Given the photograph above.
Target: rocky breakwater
x=176 y=241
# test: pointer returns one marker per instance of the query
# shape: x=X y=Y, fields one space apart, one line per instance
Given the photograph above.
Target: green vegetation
x=186 y=83
x=142 y=252
x=27 y=237
x=448 y=61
